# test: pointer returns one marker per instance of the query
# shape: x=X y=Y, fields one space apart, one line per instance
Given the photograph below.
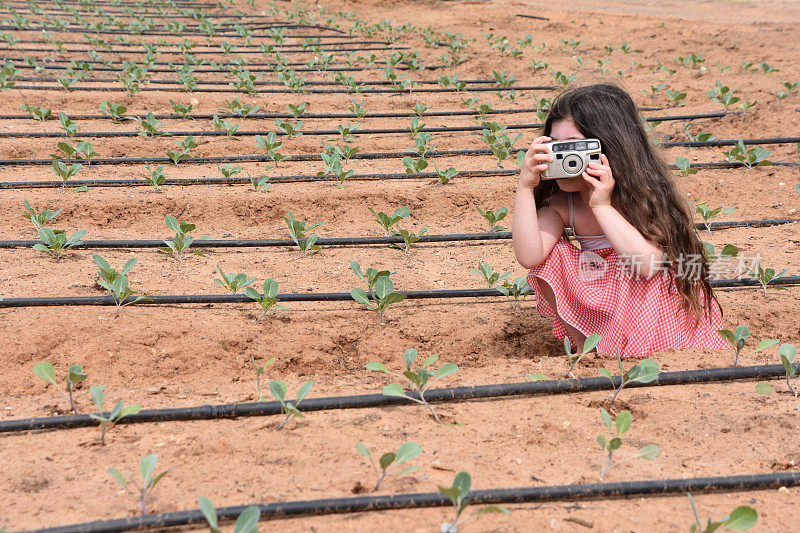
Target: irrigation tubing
x=364 y=401
x=338 y=115
x=298 y=68
x=282 y=91
x=189 y=30
x=352 y=241
x=358 y=504
x=136 y=47
x=220 y=52
x=177 y=299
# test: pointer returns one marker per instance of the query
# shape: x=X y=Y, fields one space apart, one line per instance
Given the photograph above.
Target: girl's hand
x=536 y=161
x=599 y=177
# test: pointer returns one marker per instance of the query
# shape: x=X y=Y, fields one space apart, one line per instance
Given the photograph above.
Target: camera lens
x=572 y=165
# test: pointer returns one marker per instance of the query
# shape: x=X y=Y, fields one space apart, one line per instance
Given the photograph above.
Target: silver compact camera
x=571 y=158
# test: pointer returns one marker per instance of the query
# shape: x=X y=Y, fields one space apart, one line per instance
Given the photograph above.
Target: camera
x=571 y=158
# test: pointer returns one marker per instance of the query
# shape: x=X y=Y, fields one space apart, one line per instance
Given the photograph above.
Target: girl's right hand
x=536 y=161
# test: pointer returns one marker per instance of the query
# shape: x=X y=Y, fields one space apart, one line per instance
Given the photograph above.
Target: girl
x=640 y=277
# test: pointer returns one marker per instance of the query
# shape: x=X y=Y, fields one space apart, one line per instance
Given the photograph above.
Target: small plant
x=572 y=359
x=371 y=276
x=271 y=144
x=298 y=229
x=722 y=94
x=150 y=126
x=383 y=295
x=387 y=221
x=156 y=178
x=333 y=166
x=359 y=109
x=227 y=126
x=38 y=113
x=691 y=60
x=260 y=370
x=121 y=292
x=415 y=166
x=750 y=157
x=684 y=166
x=75 y=375
x=258 y=183
x=491 y=277
x=766 y=69
x=268 y=300
x=738 y=337
x=107 y=273
x=789 y=89
x=233 y=282
x=181 y=109
x=69 y=127
x=39 y=219
x=113 y=110
x=707 y=213
x=117 y=413
x=444 y=176
x=185 y=146
x=146 y=468
x=390 y=460
x=182 y=240
x=504 y=79
x=278 y=390
x=289 y=128
x=247 y=521
x=518 y=289
x=229 y=170
x=677 y=97
x=298 y=110
x=80 y=150
x=788 y=352
x=419 y=381
x=458 y=495
x=348 y=131
x=764 y=276
x=741 y=519
x=408 y=237
x=645 y=371
x=618 y=427
x=56 y=243
x=493 y=217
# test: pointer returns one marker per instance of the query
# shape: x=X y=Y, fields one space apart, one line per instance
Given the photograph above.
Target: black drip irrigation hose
x=358 y=504
x=188 y=31
x=388 y=46
x=233 y=180
x=137 y=47
x=353 y=241
x=283 y=91
x=265 y=82
x=731 y=142
x=531 y=17
x=365 y=401
x=297 y=68
x=176 y=299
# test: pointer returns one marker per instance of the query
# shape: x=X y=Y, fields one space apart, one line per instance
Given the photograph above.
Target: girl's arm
x=645 y=257
x=534 y=234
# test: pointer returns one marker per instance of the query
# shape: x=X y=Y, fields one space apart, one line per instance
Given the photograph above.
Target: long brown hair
x=644 y=187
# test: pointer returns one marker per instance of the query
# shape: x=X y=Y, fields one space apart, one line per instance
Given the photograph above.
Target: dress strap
x=569 y=200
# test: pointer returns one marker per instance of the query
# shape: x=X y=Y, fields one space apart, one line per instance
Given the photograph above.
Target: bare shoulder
x=558 y=201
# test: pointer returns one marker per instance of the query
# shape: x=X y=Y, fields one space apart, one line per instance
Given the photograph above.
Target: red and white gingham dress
x=640 y=316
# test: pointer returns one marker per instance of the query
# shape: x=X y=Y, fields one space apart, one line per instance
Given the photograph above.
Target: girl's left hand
x=599 y=177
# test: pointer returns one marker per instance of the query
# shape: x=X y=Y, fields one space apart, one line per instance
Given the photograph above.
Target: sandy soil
x=192 y=355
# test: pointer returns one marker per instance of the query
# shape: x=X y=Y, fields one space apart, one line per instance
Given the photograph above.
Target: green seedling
x=298 y=229
x=422 y=144
x=182 y=240
x=684 y=166
x=618 y=428
x=691 y=60
x=271 y=144
x=333 y=166
x=746 y=105
x=491 y=277
x=457 y=494
x=750 y=157
x=122 y=293
x=278 y=390
x=419 y=109
x=113 y=110
x=236 y=107
x=150 y=126
x=233 y=282
x=764 y=276
x=146 y=468
x=371 y=276
x=187 y=81
x=645 y=371
x=419 y=381
x=707 y=213
x=39 y=219
x=493 y=217
x=722 y=94
x=229 y=170
x=444 y=176
x=185 y=146
x=382 y=296
x=298 y=110
x=348 y=131
x=737 y=339
x=259 y=183
x=741 y=519
x=246 y=522
x=117 y=413
x=80 y=150
x=562 y=78
x=75 y=375
x=788 y=352
x=56 y=243
x=359 y=109
x=518 y=289
x=38 y=113
x=181 y=109
x=260 y=370
x=538 y=65
x=500 y=144
x=227 y=126
x=387 y=222
x=677 y=97
x=415 y=166
x=789 y=89
x=268 y=300
x=69 y=127
x=728 y=251
x=390 y=460
x=288 y=128
x=572 y=359
x=766 y=69
x=156 y=178
x=415 y=127
x=408 y=237
x=108 y=274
